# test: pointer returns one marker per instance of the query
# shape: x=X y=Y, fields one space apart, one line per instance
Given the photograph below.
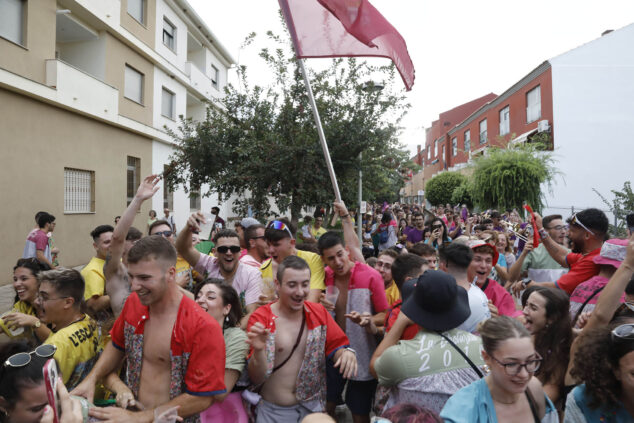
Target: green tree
x=511 y=177
x=261 y=143
x=620 y=206
x=462 y=194
x=441 y=187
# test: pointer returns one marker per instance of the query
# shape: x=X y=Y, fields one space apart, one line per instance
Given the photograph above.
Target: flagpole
x=320 y=131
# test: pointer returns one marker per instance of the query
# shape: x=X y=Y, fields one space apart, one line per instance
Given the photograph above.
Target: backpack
x=384 y=234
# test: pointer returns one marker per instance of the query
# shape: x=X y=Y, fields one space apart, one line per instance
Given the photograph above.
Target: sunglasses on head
x=165 y=234
x=24 y=358
x=280 y=226
x=223 y=249
x=623 y=332
x=574 y=220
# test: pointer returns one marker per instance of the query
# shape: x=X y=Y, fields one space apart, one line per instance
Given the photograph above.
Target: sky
x=461 y=49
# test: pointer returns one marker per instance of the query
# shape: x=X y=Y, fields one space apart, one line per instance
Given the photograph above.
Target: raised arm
x=349 y=234
x=516 y=268
x=146 y=190
x=184 y=241
x=556 y=251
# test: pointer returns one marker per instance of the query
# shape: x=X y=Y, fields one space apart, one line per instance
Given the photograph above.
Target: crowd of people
x=435 y=314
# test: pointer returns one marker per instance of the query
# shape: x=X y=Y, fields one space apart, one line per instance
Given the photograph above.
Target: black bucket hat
x=437 y=303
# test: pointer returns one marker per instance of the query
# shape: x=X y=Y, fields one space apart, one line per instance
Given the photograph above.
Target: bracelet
x=543 y=234
x=345 y=215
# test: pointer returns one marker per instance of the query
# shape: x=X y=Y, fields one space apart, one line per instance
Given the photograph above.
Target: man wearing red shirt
x=290 y=340
x=587 y=232
x=185 y=369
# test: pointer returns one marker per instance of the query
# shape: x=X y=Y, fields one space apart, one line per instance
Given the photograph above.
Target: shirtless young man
x=186 y=369
x=123 y=238
x=294 y=385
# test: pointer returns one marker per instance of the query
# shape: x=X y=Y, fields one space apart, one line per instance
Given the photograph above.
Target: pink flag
x=345 y=28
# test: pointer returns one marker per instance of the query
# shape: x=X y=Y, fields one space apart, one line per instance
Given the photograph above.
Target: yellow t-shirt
x=77 y=350
x=393 y=294
x=317 y=274
x=317 y=233
x=94 y=279
x=20 y=307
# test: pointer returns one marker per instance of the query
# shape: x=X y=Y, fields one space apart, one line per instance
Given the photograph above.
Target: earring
x=227 y=318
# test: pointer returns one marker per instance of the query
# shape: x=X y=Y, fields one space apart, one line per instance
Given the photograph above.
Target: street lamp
x=370 y=87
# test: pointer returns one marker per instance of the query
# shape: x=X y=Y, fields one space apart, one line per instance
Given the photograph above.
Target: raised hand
x=148 y=187
x=256 y=336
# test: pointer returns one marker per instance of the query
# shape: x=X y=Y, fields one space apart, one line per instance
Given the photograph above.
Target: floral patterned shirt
x=324 y=338
x=197 y=349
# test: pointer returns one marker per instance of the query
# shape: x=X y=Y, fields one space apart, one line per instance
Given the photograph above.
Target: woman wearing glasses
x=22 y=321
x=547 y=317
x=510 y=392
x=439 y=234
x=604 y=361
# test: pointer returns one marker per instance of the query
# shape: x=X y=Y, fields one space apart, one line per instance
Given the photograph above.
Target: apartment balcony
x=199 y=80
x=79 y=90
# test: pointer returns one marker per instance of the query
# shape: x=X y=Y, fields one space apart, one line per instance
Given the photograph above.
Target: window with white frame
x=533 y=104
x=133 y=177
x=169 y=34
x=79 y=191
x=215 y=73
x=454 y=146
x=136 y=9
x=467 y=141
x=428 y=152
x=12 y=21
x=444 y=155
x=483 y=131
x=505 y=122
x=167 y=103
x=133 y=84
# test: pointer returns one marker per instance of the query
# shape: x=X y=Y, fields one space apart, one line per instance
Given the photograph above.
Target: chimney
x=418 y=149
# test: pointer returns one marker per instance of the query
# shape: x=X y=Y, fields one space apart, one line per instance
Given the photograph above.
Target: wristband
x=543 y=234
x=351 y=350
x=345 y=215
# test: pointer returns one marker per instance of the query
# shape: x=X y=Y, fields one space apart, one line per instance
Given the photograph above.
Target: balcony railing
x=82 y=91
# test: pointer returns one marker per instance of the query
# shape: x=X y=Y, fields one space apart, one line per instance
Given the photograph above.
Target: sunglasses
x=165 y=234
x=280 y=226
x=623 y=332
x=235 y=249
x=436 y=226
x=24 y=358
x=574 y=220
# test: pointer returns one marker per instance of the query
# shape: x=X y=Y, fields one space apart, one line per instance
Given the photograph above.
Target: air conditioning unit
x=543 y=126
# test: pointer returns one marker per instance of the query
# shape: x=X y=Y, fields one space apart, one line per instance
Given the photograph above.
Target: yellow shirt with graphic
x=25 y=308
x=393 y=294
x=94 y=279
x=317 y=233
x=317 y=274
x=77 y=350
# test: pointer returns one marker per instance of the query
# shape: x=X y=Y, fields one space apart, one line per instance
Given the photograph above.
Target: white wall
x=161 y=79
x=593 y=114
x=89 y=56
x=178 y=59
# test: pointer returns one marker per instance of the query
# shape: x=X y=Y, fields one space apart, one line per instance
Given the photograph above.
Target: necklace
x=505 y=403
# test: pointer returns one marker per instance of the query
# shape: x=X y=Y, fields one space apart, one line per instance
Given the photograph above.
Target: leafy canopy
x=440 y=188
x=510 y=177
x=260 y=144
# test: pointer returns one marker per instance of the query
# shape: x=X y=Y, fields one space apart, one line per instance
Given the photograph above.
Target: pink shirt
x=500 y=298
